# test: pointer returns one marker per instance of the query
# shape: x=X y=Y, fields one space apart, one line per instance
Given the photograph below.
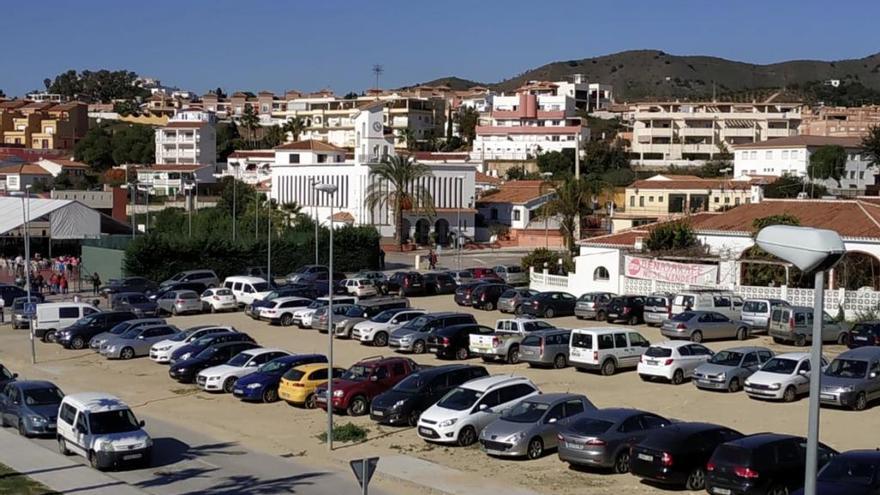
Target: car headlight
x=775 y=386
x=164 y=348
x=846 y=388
x=148 y=442
x=213 y=378
x=185 y=355
x=406 y=338
x=399 y=403
x=516 y=437
x=447 y=423
x=338 y=393
x=722 y=376
x=111 y=348
x=105 y=447
x=37 y=420
x=747 y=383
x=253 y=386
x=181 y=370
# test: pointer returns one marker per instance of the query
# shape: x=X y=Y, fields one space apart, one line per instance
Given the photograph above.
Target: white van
x=102 y=429
x=52 y=317
x=605 y=349
x=247 y=289
x=724 y=302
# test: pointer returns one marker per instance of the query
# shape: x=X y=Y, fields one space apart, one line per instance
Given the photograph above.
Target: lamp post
x=26 y=217
x=312 y=182
x=131 y=187
x=269 y=239
x=460 y=180
x=188 y=187
x=146 y=189
x=546 y=176
x=256 y=214
x=331 y=190
x=811 y=250
x=234 y=194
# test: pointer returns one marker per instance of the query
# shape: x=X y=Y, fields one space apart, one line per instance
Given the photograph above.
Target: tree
x=603 y=129
x=134 y=144
x=764 y=274
x=713 y=169
x=250 y=121
x=103 y=86
x=295 y=127
x=219 y=92
x=871 y=145
x=781 y=219
x=293 y=213
x=95 y=148
x=467 y=119
x=274 y=136
x=601 y=156
x=573 y=199
x=558 y=163
x=227 y=139
x=543 y=256
x=126 y=107
x=789 y=186
x=395 y=184
x=408 y=137
x=351 y=95
x=242 y=193
x=671 y=236
x=828 y=162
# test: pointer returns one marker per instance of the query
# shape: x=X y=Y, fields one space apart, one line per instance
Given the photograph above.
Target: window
x=717 y=199
x=293 y=157
x=516 y=215
x=68 y=312
x=67 y=414
x=601 y=273
x=320 y=374
x=606 y=341
x=641 y=201
x=491 y=399
x=632 y=201
x=785 y=154
x=650 y=199
x=768 y=154
x=573 y=407
x=736 y=201
x=398 y=369
x=630 y=424
x=514 y=392
x=636 y=340
x=493 y=214
x=620 y=340
x=751 y=359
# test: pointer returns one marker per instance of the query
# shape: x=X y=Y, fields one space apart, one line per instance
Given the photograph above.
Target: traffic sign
x=363 y=470
x=30 y=309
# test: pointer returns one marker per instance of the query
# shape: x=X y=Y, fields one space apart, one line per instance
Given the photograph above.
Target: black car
x=630 y=309
x=185 y=371
x=464 y=293
x=761 y=463
x=403 y=404
x=550 y=304
x=677 y=454
x=10 y=292
x=854 y=472
x=864 y=333
x=78 y=335
x=439 y=283
x=197 y=287
x=6 y=376
x=454 y=341
x=202 y=343
x=129 y=284
x=486 y=296
x=406 y=284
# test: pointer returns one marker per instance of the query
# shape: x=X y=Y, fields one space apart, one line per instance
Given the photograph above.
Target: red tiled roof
x=481 y=178
x=24 y=169
x=252 y=154
x=67 y=163
x=517 y=192
x=802 y=141
x=342 y=216
x=433 y=155
x=310 y=145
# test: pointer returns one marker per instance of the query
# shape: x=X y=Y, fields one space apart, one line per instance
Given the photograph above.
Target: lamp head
x=807 y=248
x=327 y=188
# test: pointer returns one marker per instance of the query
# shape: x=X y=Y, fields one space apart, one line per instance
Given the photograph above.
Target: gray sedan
x=136 y=342
x=529 y=429
x=511 y=300
x=698 y=326
x=177 y=302
x=729 y=368
x=852 y=379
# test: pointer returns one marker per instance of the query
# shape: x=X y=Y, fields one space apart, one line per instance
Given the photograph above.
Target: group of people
x=63 y=270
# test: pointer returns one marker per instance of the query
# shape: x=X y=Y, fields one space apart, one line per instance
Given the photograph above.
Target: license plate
x=426 y=432
x=646 y=457
x=826 y=396
x=860 y=339
x=720 y=491
x=52 y=425
x=378 y=413
x=651 y=361
x=571 y=445
x=131 y=456
x=432 y=349
x=238 y=391
x=612 y=315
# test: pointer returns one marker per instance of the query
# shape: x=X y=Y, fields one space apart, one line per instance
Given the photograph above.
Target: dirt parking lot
x=283 y=430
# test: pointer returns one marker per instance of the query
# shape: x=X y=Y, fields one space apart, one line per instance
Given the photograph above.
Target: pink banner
x=668 y=271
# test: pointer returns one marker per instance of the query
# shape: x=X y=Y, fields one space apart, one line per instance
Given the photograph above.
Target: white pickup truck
x=504 y=342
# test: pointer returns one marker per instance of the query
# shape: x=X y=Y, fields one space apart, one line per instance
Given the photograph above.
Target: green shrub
x=539 y=256
x=349 y=432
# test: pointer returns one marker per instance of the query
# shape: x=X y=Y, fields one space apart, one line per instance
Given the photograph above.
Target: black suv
x=630 y=309
x=10 y=293
x=403 y=404
x=439 y=283
x=78 y=335
x=550 y=304
x=454 y=341
x=486 y=296
x=406 y=284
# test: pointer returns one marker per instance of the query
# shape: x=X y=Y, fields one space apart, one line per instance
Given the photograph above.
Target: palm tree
x=408 y=137
x=292 y=211
x=395 y=184
x=250 y=121
x=274 y=136
x=573 y=200
x=295 y=127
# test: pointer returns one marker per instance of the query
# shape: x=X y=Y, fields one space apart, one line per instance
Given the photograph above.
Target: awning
x=67 y=219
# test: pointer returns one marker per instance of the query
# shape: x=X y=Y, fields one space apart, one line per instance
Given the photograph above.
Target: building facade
x=170 y=179
x=43 y=125
x=189 y=138
x=840 y=121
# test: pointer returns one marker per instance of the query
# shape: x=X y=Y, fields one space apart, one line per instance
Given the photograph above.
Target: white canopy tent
x=67 y=219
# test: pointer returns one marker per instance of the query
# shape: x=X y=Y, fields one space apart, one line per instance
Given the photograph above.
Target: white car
x=281 y=309
x=673 y=360
x=460 y=416
x=222 y=378
x=218 y=299
x=362 y=287
x=784 y=377
x=161 y=351
x=303 y=317
x=377 y=329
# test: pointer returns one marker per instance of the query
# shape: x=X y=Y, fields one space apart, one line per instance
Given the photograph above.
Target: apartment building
x=43 y=124
x=265 y=104
x=840 y=121
x=171 y=179
x=16 y=176
x=189 y=137
x=252 y=167
x=689 y=133
x=587 y=96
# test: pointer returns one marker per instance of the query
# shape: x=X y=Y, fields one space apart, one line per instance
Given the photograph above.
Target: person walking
x=2 y=309
x=96 y=283
x=53 y=283
x=381 y=259
x=62 y=283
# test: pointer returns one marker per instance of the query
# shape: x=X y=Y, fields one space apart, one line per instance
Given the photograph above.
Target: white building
x=170 y=179
x=587 y=96
x=250 y=166
x=791 y=156
x=189 y=137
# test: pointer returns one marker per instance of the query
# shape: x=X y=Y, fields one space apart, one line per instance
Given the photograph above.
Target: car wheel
x=861 y=402
x=381 y=339
x=560 y=362
x=697 y=336
x=800 y=340
x=777 y=340
x=608 y=367
x=579 y=317
x=50 y=336
x=742 y=333
x=489 y=306
x=843 y=338
x=310 y=402
x=418 y=347
x=467 y=436
x=678 y=377
x=357 y=406
x=413 y=418
x=286 y=319
x=22 y=430
x=213 y=308
x=734 y=385
x=487 y=359
x=778 y=490
x=549 y=313
x=535 y=449
x=126 y=353
x=789 y=395
x=78 y=342
x=621 y=464
x=513 y=355
x=518 y=311
x=270 y=395
x=633 y=320
x=93 y=461
x=229 y=384
x=62 y=446
x=696 y=480
x=461 y=353
x=600 y=316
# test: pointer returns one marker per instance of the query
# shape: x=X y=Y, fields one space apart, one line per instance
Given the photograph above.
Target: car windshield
x=658 y=352
x=223 y=292
x=726 y=358
x=357 y=373
x=137 y=299
x=272 y=296
x=179 y=336
x=274 y=367
x=177 y=277
x=132 y=334
x=686 y=316
x=384 y=316
x=42 y=396
x=5 y=373
x=85 y=320
x=411 y=384
x=864 y=329
x=261 y=286
x=294 y=375
x=355 y=312
x=850 y=471
x=121 y=421
x=527 y=412
x=120 y=328
x=460 y=399
x=239 y=360
x=417 y=323
x=847 y=368
x=780 y=365
x=591 y=427
x=317 y=303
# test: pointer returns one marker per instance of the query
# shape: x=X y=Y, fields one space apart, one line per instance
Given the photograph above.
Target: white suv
x=161 y=351
x=460 y=416
x=302 y=317
x=673 y=360
x=222 y=378
x=377 y=329
x=605 y=349
x=784 y=377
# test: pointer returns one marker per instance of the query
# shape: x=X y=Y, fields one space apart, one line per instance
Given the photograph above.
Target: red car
x=487 y=274
x=355 y=389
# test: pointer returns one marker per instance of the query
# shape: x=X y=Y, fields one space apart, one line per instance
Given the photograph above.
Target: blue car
x=262 y=385
x=855 y=472
x=31 y=406
x=6 y=376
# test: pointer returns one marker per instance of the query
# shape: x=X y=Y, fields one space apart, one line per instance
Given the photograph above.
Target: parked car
x=454 y=341
x=161 y=351
x=724 y=302
x=677 y=454
x=504 y=342
x=189 y=350
x=602 y=438
x=406 y=284
x=511 y=274
x=592 y=305
x=262 y=385
x=404 y=403
x=279 y=311
x=529 y=429
x=10 y=293
x=218 y=299
x=128 y=284
x=78 y=335
x=197 y=287
x=698 y=326
x=757 y=312
x=102 y=429
x=462 y=277
x=487 y=274
x=178 y=302
x=550 y=305
x=412 y=337
x=512 y=300
x=630 y=309
x=247 y=289
x=761 y=464
x=784 y=377
x=298 y=291
x=135 y=302
x=203 y=276
x=854 y=472
x=31 y=406
x=794 y=324
x=120 y=328
x=364 y=310
x=6 y=376
x=321 y=320
x=673 y=360
x=378 y=278
x=302 y=272
x=486 y=296
x=185 y=370
x=361 y=287
x=136 y=342
x=728 y=369
x=865 y=333
x=298 y=384
x=51 y=317
x=256 y=271
x=377 y=329
x=356 y=388
x=460 y=416
x=657 y=308
x=20 y=319
x=852 y=379
x=302 y=317
x=222 y=378
x=546 y=348
x=439 y=283
x=605 y=349
x=464 y=291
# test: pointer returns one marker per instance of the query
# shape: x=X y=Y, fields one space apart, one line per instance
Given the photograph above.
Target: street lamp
x=131 y=187
x=269 y=240
x=811 y=250
x=331 y=190
x=546 y=176
x=460 y=180
x=313 y=182
x=26 y=216
x=146 y=188
x=234 y=194
x=189 y=186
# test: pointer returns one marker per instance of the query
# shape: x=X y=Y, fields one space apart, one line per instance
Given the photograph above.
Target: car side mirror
x=374 y=378
x=251 y=364
x=803 y=372
x=142 y=423
x=552 y=420
x=482 y=407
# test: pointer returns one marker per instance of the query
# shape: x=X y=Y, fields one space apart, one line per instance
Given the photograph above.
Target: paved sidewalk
x=441 y=479
x=60 y=473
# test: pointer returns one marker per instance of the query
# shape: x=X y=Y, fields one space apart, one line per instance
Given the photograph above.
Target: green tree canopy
x=103 y=86
x=871 y=145
x=395 y=184
x=558 y=163
x=467 y=119
x=95 y=148
x=573 y=200
x=134 y=144
x=789 y=186
x=671 y=236
x=828 y=162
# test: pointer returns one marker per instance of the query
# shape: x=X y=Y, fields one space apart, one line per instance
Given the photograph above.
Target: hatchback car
x=178 y=302
x=511 y=300
x=185 y=370
x=135 y=302
x=658 y=308
x=546 y=348
x=630 y=309
x=262 y=385
x=6 y=376
x=854 y=472
x=31 y=406
x=162 y=351
x=279 y=311
x=529 y=429
x=222 y=378
x=196 y=287
x=137 y=341
x=728 y=369
x=794 y=324
x=439 y=283
x=697 y=326
x=191 y=349
x=218 y=299
x=865 y=333
x=592 y=305
x=673 y=360
x=852 y=379
x=298 y=384
x=377 y=329
x=361 y=287
x=406 y=284
x=364 y=310
x=550 y=304
x=464 y=292
x=486 y=296
x=784 y=377
x=322 y=320
x=487 y=274
x=512 y=274
x=355 y=389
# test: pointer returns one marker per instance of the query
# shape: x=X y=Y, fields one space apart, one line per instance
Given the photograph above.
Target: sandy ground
x=283 y=430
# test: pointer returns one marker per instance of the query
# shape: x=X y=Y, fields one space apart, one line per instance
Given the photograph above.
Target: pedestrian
x=53 y=283
x=62 y=284
x=38 y=283
x=96 y=283
x=2 y=309
x=432 y=259
x=381 y=259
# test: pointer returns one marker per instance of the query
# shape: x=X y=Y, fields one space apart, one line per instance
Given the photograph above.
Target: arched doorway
x=441 y=228
x=857 y=270
x=423 y=229
x=405 y=227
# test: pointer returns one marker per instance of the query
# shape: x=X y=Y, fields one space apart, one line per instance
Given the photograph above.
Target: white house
x=189 y=137
x=17 y=176
x=250 y=166
x=170 y=179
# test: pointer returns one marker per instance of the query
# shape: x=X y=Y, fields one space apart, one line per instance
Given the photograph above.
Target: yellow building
x=43 y=125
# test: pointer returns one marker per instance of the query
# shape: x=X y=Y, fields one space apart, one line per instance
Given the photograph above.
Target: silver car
x=320 y=320
x=658 y=308
x=98 y=340
x=698 y=326
x=511 y=300
x=137 y=342
x=729 y=368
x=852 y=379
x=529 y=429
x=178 y=302
x=591 y=305
x=794 y=324
x=512 y=274
x=547 y=348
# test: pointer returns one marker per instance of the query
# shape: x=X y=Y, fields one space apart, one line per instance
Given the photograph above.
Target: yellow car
x=299 y=383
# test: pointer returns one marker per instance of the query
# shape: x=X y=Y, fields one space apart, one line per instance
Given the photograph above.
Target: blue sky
x=307 y=45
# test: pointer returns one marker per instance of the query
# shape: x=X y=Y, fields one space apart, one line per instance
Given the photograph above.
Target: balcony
x=655 y=132
x=696 y=132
